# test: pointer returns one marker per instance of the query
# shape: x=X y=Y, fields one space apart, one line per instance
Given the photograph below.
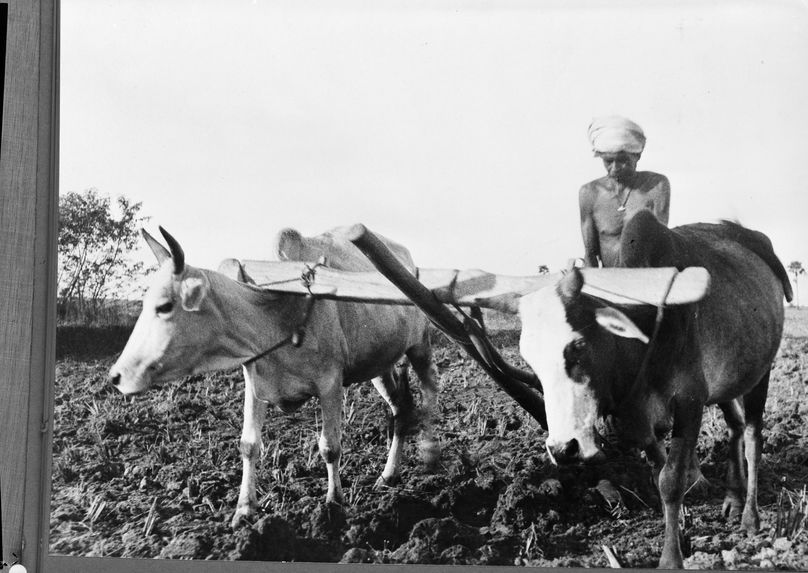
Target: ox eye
x=574 y=351
x=165 y=308
x=579 y=344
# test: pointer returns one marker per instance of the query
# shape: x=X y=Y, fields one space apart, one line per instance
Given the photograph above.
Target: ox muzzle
x=126 y=383
x=570 y=452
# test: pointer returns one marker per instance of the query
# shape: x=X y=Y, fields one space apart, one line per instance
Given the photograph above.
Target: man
x=607 y=203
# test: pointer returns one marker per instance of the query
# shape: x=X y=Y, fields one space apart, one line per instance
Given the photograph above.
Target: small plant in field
x=349 y=412
x=313 y=448
x=792 y=509
x=482 y=424
x=276 y=455
x=151 y=519
x=96 y=509
x=502 y=429
x=354 y=493
x=94 y=409
x=530 y=550
x=67 y=465
x=611 y=557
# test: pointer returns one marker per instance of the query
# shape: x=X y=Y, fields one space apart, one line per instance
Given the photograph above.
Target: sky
x=456 y=128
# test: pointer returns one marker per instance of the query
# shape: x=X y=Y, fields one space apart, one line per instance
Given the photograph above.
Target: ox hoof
x=750 y=522
x=242 y=517
x=384 y=482
x=670 y=564
x=672 y=557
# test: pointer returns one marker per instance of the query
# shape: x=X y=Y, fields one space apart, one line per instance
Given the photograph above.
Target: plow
x=452 y=299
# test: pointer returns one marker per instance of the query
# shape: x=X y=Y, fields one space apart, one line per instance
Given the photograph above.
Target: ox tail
x=760 y=244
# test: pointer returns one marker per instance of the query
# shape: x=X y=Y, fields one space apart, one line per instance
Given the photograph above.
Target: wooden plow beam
x=432 y=289
x=469 y=334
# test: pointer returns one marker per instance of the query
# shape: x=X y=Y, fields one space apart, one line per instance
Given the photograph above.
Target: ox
x=655 y=372
x=195 y=320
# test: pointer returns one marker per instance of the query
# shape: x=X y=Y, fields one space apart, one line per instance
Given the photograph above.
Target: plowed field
x=157 y=475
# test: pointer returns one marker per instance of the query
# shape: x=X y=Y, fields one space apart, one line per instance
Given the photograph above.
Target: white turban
x=613 y=134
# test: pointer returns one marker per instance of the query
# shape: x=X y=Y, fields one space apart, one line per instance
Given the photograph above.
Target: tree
x=796 y=269
x=95 y=242
x=544 y=269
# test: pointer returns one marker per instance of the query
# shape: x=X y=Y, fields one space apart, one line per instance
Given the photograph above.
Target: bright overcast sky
x=456 y=128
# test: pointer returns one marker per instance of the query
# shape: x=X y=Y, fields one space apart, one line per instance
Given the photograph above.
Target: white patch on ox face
x=570 y=404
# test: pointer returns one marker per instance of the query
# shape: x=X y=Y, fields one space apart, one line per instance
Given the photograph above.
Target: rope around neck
x=299 y=332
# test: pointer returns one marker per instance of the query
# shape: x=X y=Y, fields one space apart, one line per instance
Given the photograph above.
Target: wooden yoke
x=467 y=334
x=431 y=289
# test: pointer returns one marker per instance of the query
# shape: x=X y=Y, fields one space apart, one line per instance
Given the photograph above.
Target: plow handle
x=387 y=264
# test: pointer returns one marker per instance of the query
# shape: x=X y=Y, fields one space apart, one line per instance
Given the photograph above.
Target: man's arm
x=586 y=203
x=662 y=199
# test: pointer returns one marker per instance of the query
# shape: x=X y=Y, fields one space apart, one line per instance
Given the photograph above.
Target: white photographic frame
x=29 y=183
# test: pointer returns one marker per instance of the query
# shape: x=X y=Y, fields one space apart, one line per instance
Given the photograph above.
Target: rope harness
x=298 y=334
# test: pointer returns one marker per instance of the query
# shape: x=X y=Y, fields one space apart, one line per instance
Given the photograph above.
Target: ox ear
x=159 y=250
x=619 y=324
x=193 y=290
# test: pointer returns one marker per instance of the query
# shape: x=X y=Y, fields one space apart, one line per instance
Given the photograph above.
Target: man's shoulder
x=588 y=193
x=653 y=179
x=595 y=185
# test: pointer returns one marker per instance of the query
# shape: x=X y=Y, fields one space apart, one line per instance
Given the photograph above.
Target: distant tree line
x=796 y=270
x=95 y=267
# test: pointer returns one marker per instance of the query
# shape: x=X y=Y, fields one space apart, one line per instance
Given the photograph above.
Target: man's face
x=620 y=166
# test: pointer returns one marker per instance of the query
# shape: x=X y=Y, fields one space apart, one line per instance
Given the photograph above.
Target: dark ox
x=195 y=320
x=716 y=351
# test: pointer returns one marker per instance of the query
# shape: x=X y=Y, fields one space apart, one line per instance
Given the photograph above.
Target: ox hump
x=645 y=242
x=289 y=245
x=333 y=245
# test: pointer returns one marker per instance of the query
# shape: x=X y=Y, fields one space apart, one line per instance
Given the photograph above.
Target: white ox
x=195 y=320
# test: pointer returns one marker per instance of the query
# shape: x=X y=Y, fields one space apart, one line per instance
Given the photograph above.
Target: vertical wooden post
x=27 y=272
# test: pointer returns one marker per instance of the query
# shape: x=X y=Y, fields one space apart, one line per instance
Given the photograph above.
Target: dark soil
x=157 y=475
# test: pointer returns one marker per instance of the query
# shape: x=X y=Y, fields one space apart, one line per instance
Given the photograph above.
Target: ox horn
x=570 y=286
x=159 y=250
x=177 y=254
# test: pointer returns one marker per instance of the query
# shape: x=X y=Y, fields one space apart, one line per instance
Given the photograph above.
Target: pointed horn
x=177 y=253
x=159 y=250
x=570 y=286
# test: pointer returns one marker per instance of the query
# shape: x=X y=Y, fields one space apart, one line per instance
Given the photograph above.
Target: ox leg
x=655 y=454
x=736 y=478
x=421 y=360
x=250 y=447
x=754 y=403
x=330 y=443
x=397 y=395
x=673 y=477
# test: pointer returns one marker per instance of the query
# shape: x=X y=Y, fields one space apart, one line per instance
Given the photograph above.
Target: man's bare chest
x=612 y=209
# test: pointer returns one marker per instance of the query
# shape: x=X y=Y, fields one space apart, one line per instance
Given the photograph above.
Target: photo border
x=28 y=233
